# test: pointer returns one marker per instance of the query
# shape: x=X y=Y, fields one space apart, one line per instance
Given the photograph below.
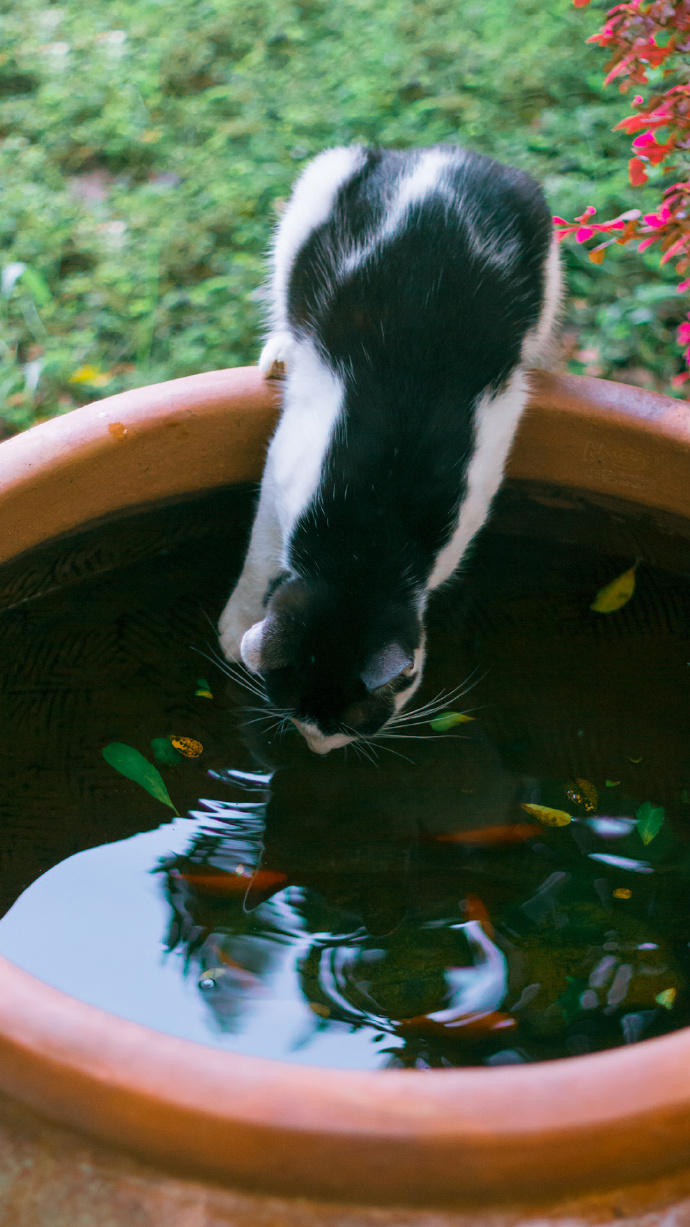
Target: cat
x=410 y=291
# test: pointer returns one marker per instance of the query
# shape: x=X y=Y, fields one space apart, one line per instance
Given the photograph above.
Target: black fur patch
x=432 y=316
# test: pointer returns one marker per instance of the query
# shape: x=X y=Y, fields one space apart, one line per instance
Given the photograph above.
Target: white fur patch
x=250 y=647
x=496 y=420
x=311 y=406
x=316 y=740
x=309 y=206
x=537 y=345
x=424 y=180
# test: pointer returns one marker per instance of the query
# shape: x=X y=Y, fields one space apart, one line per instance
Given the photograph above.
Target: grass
x=145 y=146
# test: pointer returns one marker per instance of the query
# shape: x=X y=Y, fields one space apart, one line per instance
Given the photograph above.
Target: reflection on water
x=339 y=911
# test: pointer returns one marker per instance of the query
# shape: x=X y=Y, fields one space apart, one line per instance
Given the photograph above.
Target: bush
x=146 y=145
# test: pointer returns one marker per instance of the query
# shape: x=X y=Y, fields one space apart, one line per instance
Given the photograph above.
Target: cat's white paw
x=275 y=355
x=235 y=621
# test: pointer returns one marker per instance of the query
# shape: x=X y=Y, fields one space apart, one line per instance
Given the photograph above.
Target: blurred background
x=146 y=147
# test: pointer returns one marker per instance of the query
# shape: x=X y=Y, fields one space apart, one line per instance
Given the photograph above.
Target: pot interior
x=392 y=904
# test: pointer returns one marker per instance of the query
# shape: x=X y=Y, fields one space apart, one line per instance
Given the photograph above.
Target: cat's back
x=420 y=254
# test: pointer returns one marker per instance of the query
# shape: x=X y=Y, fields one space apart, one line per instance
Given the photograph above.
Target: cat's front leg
x=245 y=606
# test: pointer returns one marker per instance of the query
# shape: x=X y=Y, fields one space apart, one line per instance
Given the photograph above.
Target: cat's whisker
x=439 y=703
x=421 y=736
x=240 y=678
x=236 y=670
x=389 y=749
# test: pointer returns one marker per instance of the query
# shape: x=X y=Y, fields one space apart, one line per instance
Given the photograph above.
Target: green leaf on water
x=650 y=820
x=447 y=719
x=131 y=763
x=164 y=752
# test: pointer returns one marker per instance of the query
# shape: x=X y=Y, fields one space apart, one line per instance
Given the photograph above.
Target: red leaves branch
x=641 y=35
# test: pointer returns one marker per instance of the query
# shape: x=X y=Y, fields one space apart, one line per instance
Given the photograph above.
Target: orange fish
x=219 y=883
x=472 y=1026
x=511 y=833
x=476 y=910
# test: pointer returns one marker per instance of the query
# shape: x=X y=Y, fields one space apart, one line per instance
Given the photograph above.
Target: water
x=343 y=911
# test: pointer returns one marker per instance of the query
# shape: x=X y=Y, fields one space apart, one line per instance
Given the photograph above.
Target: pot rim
x=526 y=1133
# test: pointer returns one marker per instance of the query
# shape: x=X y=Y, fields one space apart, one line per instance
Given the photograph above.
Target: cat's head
x=339 y=666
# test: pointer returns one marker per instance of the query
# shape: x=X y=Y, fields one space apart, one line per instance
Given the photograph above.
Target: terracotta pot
x=410 y=1138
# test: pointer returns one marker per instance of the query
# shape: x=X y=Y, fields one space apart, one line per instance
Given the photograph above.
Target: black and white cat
x=410 y=292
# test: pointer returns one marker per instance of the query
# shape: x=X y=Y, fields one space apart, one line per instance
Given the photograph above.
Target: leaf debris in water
x=164 y=752
x=134 y=766
x=650 y=820
x=616 y=594
x=550 y=817
x=447 y=719
x=583 y=793
x=667 y=998
x=622 y=892
x=187 y=746
x=612 y=783
x=203 y=690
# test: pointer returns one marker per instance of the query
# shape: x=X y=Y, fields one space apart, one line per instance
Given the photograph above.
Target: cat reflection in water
x=410 y=293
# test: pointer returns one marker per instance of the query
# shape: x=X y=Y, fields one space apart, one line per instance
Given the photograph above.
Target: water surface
x=363 y=910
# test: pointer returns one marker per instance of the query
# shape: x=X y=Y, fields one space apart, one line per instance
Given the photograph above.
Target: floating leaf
x=164 y=752
x=583 y=793
x=612 y=783
x=131 y=763
x=636 y=761
x=203 y=690
x=649 y=821
x=667 y=998
x=447 y=719
x=550 y=817
x=616 y=594
x=187 y=746
x=622 y=892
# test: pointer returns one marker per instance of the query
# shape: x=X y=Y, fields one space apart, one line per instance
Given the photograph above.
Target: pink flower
x=683 y=334
x=684 y=286
x=657 y=220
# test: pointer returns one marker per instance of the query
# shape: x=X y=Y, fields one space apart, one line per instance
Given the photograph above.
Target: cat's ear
x=250 y=647
x=384 y=666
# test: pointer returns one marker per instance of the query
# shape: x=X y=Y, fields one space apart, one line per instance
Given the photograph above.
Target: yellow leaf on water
x=666 y=998
x=616 y=594
x=187 y=746
x=622 y=892
x=544 y=813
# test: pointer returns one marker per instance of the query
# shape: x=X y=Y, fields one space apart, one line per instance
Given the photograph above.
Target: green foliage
x=650 y=820
x=145 y=147
x=132 y=764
